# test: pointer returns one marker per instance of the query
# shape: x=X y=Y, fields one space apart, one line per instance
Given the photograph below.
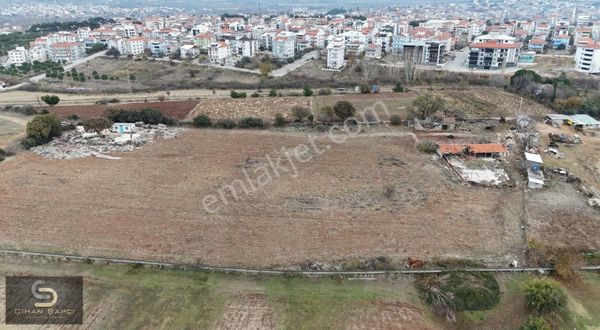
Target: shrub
x=237 y=95
x=44 y=111
x=344 y=109
x=300 y=112
x=255 y=94
x=365 y=89
x=469 y=291
x=324 y=91
x=43 y=128
x=28 y=143
x=396 y=120
x=202 y=120
x=50 y=99
x=104 y=77
x=535 y=323
x=427 y=146
x=251 y=122
x=272 y=93
x=544 y=295
x=307 y=91
x=96 y=124
x=398 y=88
x=327 y=114
x=132 y=77
x=148 y=116
x=279 y=120
x=226 y=123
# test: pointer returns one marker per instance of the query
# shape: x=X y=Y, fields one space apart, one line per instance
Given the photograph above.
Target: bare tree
x=370 y=69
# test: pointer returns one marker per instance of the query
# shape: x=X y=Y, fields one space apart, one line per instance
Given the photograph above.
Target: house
x=373 y=51
x=219 y=52
x=580 y=121
x=123 y=128
x=485 y=150
x=535 y=175
x=18 y=56
x=536 y=45
x=189 y=51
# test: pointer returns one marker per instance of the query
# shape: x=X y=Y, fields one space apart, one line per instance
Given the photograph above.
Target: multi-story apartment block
x=335 y=53
x=587 y=58
x=66 y=51
x=38 y=53
x=284 y=46
x=18 y=56
x=219 y=53
x=491 y=55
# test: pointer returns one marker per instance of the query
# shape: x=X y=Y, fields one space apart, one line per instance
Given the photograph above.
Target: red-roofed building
x=490 y=55
x=487 y=150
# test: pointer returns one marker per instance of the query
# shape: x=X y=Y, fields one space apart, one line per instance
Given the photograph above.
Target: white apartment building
x=284 y=46
x=66 y=51
x=491 y=55
x=587 y=58
x=335 y=53
x=219 y=52
x=136 y=46
x=38 y=53
x=18 y=56
x=247 y=47
x=83 y=33
x=189 y=51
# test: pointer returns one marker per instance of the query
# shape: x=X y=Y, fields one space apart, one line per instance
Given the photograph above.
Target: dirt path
x=20 y=121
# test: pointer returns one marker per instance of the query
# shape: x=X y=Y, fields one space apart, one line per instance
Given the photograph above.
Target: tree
x=112 y=51
x=96 y=124
x=176 y=55
x=544 y=296
x=202 y=120
x=272 y=93
x=50 y=99
x=308 y=91
x=398 y=88
x=327 y=114
x=344 y=109
x=265 y=68
x=43 y=128
x=300 y=112
x=425 y=106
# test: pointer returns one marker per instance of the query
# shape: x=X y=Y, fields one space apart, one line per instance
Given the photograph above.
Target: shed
x=123 y=128
x=534 y=161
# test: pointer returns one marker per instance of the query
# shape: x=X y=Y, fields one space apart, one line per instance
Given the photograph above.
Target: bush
x=327 y=114
x=279 y=120
x=365 y=89
x=535 y=323
x=544 y=295
x=398 y=88
x=251 y=122
x=396 y=120
x=427 y=146
x=44 y=111
x=272 y=93
x=469 y=291
x=43 y=128
x=202 y=121
x=300 y=112
x=307 y=91
x=226 y=123
x=104 y=77
x=28 y=143
x=96 y=124
x=324 y=91
x=237 y=95
x=50 y=99
x=255 y=94
x=148 y=116
x=344 y=109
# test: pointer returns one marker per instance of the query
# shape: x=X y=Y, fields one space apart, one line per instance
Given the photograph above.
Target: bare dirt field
x=263 y=107
x=369 y=196
x=173 y=109
x=12 y=127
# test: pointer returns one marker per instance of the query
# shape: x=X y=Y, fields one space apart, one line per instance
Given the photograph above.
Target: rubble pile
x=79 y=144
x=565 y=138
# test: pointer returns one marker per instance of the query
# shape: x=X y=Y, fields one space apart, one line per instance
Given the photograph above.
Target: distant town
x=340 y=36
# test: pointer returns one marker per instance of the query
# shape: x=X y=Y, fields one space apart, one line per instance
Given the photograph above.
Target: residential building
x=335 y=53
x=373 y=51
x=247 y=47
x=38 y=53
x=536 y=45
x=189 y=51
x=284 y=46
x=218 y=52
x=493 y=55
x=18 y=56
x=66 y=51
x=587 y=58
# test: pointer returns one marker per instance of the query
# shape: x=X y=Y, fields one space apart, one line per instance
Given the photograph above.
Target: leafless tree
x=370 y=69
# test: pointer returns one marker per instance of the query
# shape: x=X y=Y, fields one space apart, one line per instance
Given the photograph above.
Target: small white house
x=534 y=171
x=123 y=128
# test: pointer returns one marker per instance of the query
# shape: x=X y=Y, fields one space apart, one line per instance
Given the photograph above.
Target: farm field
x=11 y=128
x=136 y=297
x=370 y=196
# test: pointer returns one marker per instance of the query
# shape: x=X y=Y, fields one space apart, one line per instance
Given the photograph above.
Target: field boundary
x=255 y=271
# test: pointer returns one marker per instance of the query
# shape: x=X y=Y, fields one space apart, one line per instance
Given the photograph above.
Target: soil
x=149 y=204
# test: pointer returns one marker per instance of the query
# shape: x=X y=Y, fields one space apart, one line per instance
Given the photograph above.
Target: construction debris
x=79 y=144
x=565 y=138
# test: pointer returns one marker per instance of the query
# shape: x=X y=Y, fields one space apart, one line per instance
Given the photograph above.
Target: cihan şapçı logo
x=44 y=300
